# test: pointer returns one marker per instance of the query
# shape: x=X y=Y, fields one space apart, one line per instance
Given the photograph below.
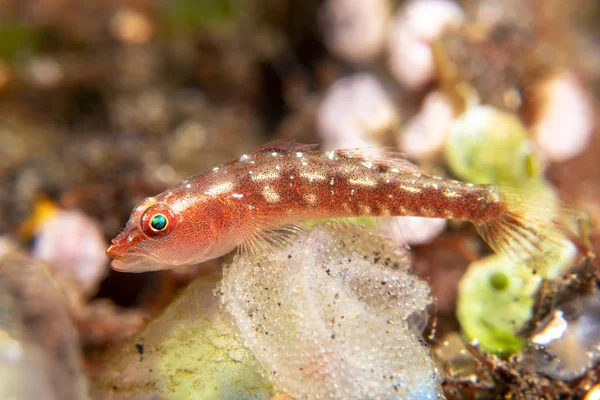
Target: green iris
x=158 y=222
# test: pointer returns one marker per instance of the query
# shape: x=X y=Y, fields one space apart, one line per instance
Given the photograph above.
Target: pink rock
x=416 y=25
x=73 y=245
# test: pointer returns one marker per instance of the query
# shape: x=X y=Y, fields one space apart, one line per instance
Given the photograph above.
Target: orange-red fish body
x=235 y=204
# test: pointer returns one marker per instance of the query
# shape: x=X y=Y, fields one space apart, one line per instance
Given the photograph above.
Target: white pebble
x=568 y=342
x=414 y=230
x=416 y=25
x=566 y=123
x=45 y=71
x=73 y=245
x=355 y=30
x=356 y=112
x=425 y=134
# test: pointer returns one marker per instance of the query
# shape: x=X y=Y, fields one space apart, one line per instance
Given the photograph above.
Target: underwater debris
x=567 y=344
x=131 y=27
x=39 y=349
x=327 y=320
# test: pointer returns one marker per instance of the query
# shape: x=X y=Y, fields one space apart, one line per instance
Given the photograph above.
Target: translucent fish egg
x=326 y=321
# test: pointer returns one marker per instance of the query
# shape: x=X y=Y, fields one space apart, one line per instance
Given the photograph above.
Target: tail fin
x=529 y=224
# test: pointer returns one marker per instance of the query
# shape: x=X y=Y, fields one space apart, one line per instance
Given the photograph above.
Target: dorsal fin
x=382 y=156
x=285 y=145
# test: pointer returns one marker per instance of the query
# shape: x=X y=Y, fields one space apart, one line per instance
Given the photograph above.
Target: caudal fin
x=528 y=226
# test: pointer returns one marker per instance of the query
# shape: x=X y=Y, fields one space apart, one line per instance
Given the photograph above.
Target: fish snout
x=122 y=242
x=113 y=251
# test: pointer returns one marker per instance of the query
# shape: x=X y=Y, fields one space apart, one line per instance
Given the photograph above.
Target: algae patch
x=190 y=352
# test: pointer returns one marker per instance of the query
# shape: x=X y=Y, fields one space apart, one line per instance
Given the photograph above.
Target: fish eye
x=158 y=220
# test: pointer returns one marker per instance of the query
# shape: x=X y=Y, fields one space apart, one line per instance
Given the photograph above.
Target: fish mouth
x=128 y=259
x=115 y=252
x=122 y=245
x=132 y=262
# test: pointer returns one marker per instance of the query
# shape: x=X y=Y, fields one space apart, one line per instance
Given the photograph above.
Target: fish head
x=165 y=231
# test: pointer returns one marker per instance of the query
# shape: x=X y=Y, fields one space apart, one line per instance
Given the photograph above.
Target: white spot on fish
x=310 y=198
x=265 y=176
x=132 y=236
x=332 y=182
x=250 y=207
x=435 y=186
x=277 y=167
x=244 y=157
x=451 y=194
x=410 y=189
x=494 y=197
x=299 y=154
x=384 y=211
x=331 y=155
x=426 y=212
x=470 y=185
x=313 y=176
x=237 y=195
x=219 y=188
x=274 y=154
x=363 y=181
x=188 y=186
x=396 y=170
x=347 y=208
x=215 y=169
x=367 y=164
x=304 y=164
x=270 y=195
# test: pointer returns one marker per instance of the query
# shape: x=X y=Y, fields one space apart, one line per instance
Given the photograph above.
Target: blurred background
x=104 y=103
